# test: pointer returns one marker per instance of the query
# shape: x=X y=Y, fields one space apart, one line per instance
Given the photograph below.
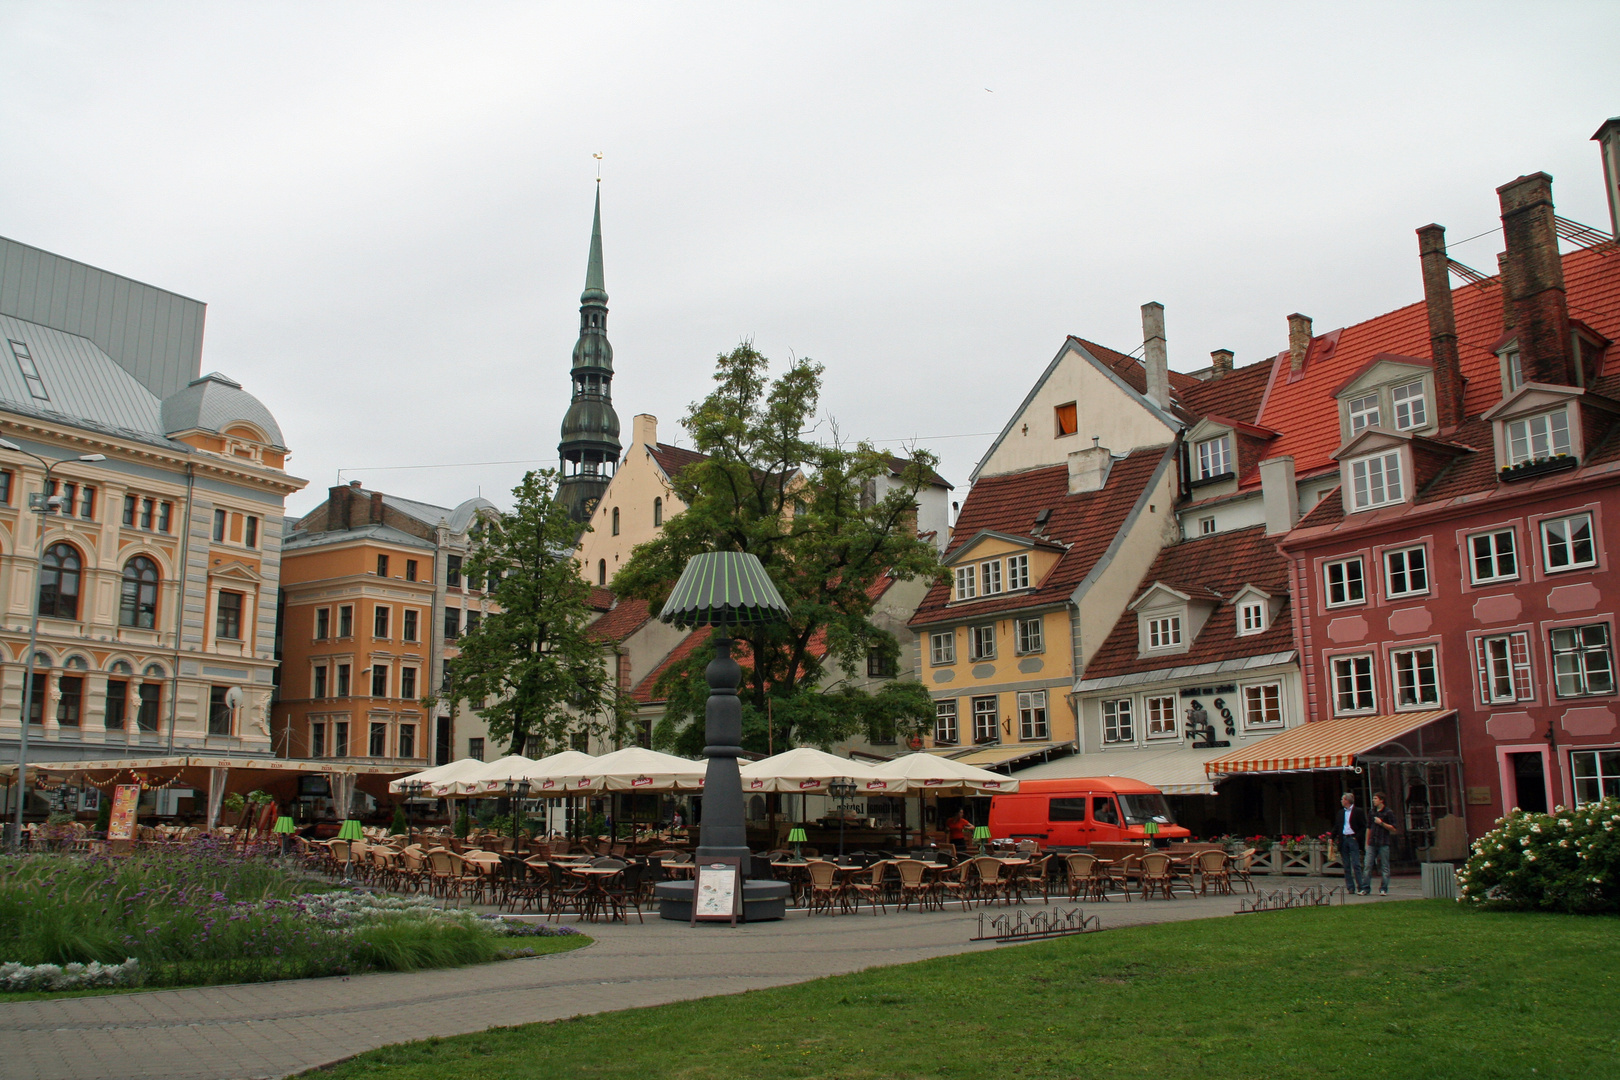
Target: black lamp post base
x=762 y=900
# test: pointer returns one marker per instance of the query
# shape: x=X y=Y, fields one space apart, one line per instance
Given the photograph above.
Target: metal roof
x=83 y=384
x=459 y=519
x=299 y=541
x=215 y=402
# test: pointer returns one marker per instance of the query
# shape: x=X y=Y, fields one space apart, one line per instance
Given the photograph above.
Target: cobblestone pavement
x=276 y=1029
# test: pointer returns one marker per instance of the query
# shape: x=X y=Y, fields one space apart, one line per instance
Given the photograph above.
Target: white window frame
x=1601 y=778
x=1415 y=674
x=1412 y=569
x=1164 y=632
x=1206 y=526
x=1410 y=404
x=1376 y=480
x=1214 y=457
x=979 y=636
x=1494 y=554
x=945 y=718
x=1261 y=699
x=1162 y=719
x=1503 y=664
x=1032 y=719
x=1347 y=582
x=967 y=578
x=1523 y=442
x=1251 y=617
x=1029 y=635
x=1357 y=668
x=1585 y=648
x=1563 y=535
x=1118 y=721
x=1363 y=415
x=981 y=713
x=942 y=647
x=990 y=578
x=1017 y=572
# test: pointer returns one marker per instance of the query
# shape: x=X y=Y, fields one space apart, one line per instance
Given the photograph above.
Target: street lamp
x=44 y=504
x=841 y=789
x=521 y=788
x=412 y=789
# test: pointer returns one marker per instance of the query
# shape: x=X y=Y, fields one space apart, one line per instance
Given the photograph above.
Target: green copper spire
x=595 y=290
x=590 y=430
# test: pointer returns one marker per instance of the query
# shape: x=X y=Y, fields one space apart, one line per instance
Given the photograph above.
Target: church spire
x=590 y=430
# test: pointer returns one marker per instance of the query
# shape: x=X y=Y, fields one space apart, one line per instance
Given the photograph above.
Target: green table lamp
x=284 y=825
x=981 y=833
x=796 y=837
x=1150 y=827
x=351 y=833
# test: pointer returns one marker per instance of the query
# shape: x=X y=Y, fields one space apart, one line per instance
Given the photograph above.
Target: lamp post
x=521 y=788
x=841 y=789
x=412 y=789
x=42 y=505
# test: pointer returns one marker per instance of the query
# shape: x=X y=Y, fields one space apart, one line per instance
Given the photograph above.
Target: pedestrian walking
x=1380 y=827
x=1352 y=827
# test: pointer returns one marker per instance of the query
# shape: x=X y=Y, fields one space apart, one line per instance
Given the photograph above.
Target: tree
x=528 y=668
x=809 y=510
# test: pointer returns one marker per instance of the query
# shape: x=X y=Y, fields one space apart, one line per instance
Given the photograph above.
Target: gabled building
x=635 y=504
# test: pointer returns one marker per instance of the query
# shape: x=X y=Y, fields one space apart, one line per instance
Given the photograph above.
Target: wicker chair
x=1213 y=870
x=991 y=884
x=871 y=886
x=913 y=883
x=1085 y=883
x=1158 y=875
x=825 y=888
x=957 y=883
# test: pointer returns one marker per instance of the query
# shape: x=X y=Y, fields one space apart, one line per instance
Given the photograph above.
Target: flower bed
x=202 y=914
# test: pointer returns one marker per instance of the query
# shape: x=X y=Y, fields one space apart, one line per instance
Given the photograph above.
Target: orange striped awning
x=1322 y=744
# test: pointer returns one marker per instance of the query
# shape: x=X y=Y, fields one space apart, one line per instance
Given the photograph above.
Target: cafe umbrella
x=933 y=774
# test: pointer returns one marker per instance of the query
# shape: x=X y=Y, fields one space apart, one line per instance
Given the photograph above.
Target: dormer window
x=990 y=577
x=1214 y=457
x=1536 y=438
x=1364 y=413
x=1410 y=405
x=1164 y=632
x=1376 y=480
x=966 y=582
x=1251 y=617
x=1018 y=572
x=1513 y=370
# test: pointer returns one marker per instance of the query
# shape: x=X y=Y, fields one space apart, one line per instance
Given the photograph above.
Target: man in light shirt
x=1348 y=832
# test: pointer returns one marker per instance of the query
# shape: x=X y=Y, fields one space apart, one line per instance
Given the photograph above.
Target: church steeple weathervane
x=590 y=431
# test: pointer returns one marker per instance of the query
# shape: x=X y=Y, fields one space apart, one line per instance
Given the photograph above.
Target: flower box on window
x=1524 y=470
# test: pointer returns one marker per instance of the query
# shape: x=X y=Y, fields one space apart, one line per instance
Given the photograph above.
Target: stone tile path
x=276 y=1029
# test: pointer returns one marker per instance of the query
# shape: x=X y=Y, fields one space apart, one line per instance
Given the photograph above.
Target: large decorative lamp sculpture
x=725 y=590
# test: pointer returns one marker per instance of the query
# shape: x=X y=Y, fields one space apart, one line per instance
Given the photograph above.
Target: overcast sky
x=387 y=207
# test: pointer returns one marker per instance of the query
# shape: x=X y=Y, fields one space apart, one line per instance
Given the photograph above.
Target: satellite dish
x=234 y=697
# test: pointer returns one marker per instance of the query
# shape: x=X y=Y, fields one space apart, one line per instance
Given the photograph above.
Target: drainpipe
x=180 y=603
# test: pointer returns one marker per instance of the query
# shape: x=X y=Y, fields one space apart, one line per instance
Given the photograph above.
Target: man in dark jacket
x=1380 y=827
x=1351 y=827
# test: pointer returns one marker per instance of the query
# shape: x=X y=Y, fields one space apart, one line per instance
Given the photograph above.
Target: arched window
x=615 y=521
x=658 y=511
x=138 y=607
x=601 y=571
x=59 y=582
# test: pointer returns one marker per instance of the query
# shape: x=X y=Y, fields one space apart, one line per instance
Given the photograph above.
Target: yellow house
x=637 y=502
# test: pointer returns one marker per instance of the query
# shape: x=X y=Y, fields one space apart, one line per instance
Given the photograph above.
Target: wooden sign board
x=717 y=890
x=1479 y=796
x=121 y=824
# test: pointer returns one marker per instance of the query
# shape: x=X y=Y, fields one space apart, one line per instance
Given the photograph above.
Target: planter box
x=1332 y=865
x=1537 y=468
x=1267 y=862
x=1302 y=860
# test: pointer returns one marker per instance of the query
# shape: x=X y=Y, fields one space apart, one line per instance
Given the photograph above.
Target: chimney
x=1448 y=380
x=1299 y=341
x=376 y=515
x=1088 y=469
x=1154 y=359
x=337 y=505
x=644 y=430
x=1279 y=494
x=1608 y=140
x=1534 y=286
x=1220 y=365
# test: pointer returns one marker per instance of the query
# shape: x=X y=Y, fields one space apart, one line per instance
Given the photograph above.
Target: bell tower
x=590 y=431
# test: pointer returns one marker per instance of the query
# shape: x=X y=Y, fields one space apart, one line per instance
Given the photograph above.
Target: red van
x=1078 y=812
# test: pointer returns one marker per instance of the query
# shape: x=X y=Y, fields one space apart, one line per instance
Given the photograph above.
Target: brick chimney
x=1220 y=364
x=1608 y=140
x=1299 y=341
x=1534 y=286
x=337 y=506
x=1154 y=358
x=1448 y=380
x=376 y=515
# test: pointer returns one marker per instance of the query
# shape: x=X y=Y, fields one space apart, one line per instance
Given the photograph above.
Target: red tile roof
x=1220 y=564
x=672 y=459
x=1086 y=524
x=626 y=618
x=601 y=598
x=1304 y=411
x=1235 y=397
x=1130 y=368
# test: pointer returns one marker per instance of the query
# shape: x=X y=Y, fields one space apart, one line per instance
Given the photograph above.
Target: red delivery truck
x=1080 y=811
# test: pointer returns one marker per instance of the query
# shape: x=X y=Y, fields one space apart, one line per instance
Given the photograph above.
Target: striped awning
x=1322 y=744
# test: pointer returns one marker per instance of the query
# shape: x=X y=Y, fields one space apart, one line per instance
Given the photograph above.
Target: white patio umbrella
x=808 y=771
x=438 y=774
x=543 y=774
x=487 y=778
x=635 y=768
x=930 y=774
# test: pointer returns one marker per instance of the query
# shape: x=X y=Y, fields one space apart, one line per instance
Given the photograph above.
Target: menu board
x=717 y=893
x=121 y=825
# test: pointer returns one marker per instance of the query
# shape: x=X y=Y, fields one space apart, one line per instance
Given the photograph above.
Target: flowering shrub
x=16 y=978
x=1568 y=860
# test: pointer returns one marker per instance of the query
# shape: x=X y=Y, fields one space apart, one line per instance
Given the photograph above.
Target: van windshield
x=1139 y=809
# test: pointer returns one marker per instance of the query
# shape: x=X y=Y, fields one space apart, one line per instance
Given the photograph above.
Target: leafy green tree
x=529 y=669
x=809 y=510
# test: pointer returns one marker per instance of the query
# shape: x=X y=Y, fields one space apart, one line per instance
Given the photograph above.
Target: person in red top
x=956 y=828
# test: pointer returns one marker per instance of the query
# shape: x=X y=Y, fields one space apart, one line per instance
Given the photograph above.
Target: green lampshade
x=350 y=830
x=724 y=588
x=796 y=836
x=1150 y=827
x=981 y=832
x=283 y=824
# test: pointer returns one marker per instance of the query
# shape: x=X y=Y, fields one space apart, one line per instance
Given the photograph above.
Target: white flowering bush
x=1568 y=860
x=18 y=978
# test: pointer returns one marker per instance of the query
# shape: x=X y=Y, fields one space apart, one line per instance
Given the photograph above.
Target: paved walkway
x=276 y=1029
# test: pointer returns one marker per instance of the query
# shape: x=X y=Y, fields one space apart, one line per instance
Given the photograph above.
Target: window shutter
x=1519 y=649
x=1483 y=664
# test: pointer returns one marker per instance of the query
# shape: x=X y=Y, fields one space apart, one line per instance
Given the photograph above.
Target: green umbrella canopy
x=724 y=588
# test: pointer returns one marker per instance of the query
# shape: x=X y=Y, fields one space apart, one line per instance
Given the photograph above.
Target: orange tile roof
x=1085 y=524
x=1235 y=397
x=626 y=618
x=1304 y=411
x=672 y=459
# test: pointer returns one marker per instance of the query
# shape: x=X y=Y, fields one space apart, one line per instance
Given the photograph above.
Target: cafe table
x=597 y=877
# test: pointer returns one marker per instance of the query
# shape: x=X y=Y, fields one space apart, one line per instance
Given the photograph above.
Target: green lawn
x=1418 y=989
